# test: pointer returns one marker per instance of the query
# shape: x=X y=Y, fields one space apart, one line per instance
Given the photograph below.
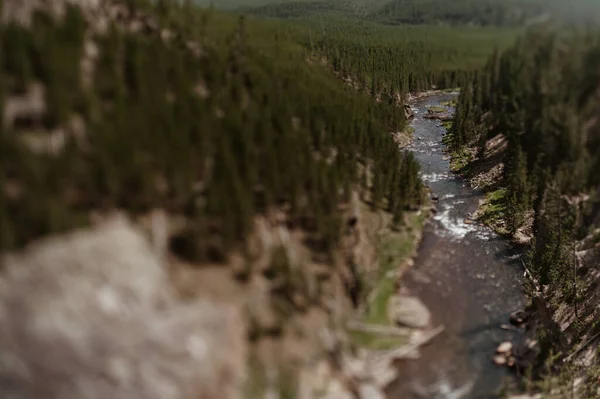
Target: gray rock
x=408 y=112
x=90 y=315
x=368 y=391
x=504 y=347
x=408 y=311
x=519 y=317
x=499 y=360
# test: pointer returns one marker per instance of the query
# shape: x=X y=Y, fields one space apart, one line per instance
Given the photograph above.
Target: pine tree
x=517 y=190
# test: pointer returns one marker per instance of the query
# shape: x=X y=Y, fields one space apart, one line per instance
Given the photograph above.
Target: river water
x=468 y=277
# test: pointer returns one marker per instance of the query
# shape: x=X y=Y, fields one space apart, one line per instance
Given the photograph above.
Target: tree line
x=542 y=96
x=391 y=61
x=225 y=119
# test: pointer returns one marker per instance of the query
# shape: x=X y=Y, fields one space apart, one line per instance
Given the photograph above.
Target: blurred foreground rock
x=108 y=312
x=408 y=311
x=90 y=315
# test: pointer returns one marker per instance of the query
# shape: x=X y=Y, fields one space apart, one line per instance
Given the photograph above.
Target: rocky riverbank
x=559 y=352
x=274 y=322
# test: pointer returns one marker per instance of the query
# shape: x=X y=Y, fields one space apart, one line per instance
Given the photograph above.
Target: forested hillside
x=296 y=9
x=400 y=59
x=250 y=74
x=542 y=99
x=305 y=133
x=541 y=96
x=431 y=12
x=459 y=12
x=384 y=59
x=365 y=5
x=380 y=59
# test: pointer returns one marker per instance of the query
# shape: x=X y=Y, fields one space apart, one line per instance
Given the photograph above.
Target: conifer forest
x=299 y=199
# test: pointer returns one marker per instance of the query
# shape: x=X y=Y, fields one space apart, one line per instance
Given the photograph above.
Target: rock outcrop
x=92 y=315
x=409 y=312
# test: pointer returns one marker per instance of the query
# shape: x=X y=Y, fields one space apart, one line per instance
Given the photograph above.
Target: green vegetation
x=362 y=6
x=542 y=97
x=432 y=12
x=249 y=123
x=460 y=159
x=295 y=9
x=459 y=12
x=493 y=211
x=377 y=341
x=435 y=109
x=384 y=60
x=452 y=90
x=449 y=103
x=395 y=248
x=191 y=141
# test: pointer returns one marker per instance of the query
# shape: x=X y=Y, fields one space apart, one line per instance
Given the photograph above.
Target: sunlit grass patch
x=435 y=109
x=395 y=248
x=493 y=210
x=447 y=124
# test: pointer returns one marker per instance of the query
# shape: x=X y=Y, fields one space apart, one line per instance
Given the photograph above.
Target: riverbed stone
x=408 y=311
x=370 y=391
x=511 y=361
x=504 y=347
x=518 y=318
x=500 y=360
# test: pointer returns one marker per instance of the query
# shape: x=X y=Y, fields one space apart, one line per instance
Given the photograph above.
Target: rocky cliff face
x=105 y=311
x=92 y=314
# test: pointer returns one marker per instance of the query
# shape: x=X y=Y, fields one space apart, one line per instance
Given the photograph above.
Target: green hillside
x=540 y=99
x=220 y=135
x=487 y=12
x=233 y=4
x=272 y=79
x=449 y=12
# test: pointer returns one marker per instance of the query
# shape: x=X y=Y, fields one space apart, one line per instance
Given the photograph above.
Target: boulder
x=408 y=311
x=90 y=314
x=511 y=361
x=504 y=348
x=408 y=112
x=519 y=318
x=369 y=391
x=499 y=360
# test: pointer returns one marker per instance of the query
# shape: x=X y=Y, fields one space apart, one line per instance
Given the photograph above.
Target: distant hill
x=370 y=5
x=299 y=8
x=459 y=12
x=486 y=12
x=447 y=12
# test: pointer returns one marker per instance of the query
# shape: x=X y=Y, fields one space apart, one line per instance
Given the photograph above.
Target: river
x=468 y=277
